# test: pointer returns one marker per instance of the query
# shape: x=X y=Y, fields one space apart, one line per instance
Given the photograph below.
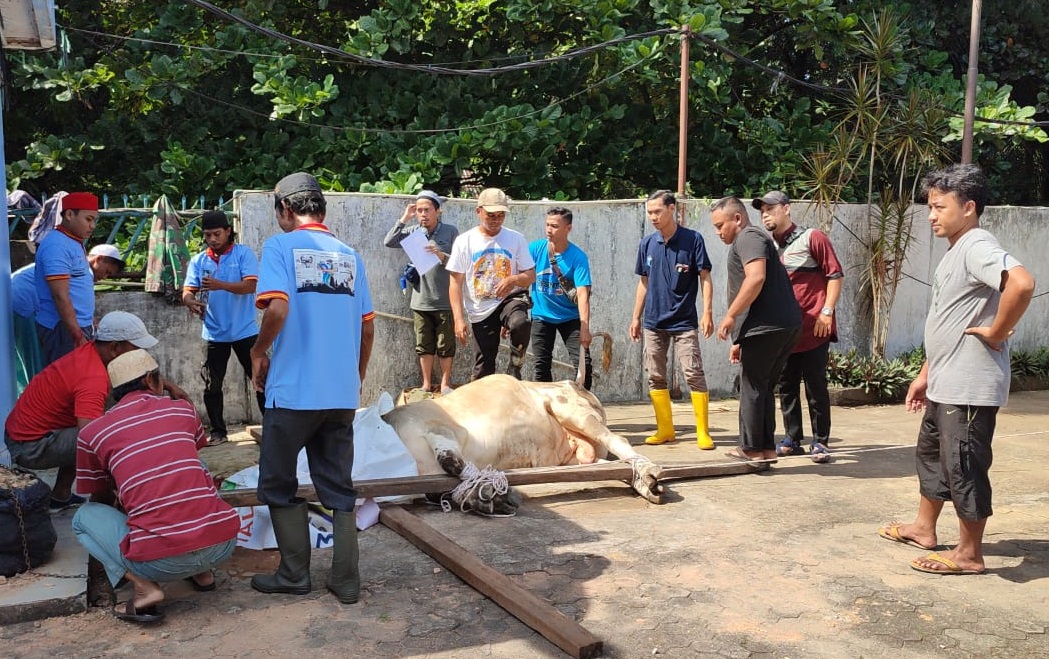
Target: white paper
x=414 y=245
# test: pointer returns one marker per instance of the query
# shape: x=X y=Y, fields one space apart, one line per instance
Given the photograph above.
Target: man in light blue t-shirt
x=223 y=277
x=318 y=319
x=560 y=297
x=64 y=285
x=979 y=294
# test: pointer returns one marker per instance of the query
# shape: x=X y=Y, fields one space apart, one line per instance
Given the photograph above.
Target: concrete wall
x=609 y=231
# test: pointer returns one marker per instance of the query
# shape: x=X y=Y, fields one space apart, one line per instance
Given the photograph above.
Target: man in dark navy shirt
x=673 y=265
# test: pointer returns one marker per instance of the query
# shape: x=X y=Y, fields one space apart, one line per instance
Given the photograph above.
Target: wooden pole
x=970 y=83
x=682 y=128
x=416 y=485
x=533 y=611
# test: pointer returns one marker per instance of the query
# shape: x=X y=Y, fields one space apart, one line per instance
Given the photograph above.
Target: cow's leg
x=482 y=491
x=579 y=412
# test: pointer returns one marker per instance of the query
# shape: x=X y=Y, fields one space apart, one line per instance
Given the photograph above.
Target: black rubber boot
x=345 y=579
x=291 y=526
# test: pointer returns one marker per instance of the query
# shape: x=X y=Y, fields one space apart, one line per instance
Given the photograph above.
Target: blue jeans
x=544 y=335
x=100 y=528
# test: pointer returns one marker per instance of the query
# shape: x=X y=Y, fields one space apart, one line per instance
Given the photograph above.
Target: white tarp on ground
x=377 y=453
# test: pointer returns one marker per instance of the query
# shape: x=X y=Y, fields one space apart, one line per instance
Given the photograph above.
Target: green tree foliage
x=138 y=115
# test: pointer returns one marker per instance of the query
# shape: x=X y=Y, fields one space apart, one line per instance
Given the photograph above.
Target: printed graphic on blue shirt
x=318 y=271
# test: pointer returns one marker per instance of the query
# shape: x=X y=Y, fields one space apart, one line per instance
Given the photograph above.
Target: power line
x=245 y=53
x=423 y=131
x=827 y=89
x=432 y=69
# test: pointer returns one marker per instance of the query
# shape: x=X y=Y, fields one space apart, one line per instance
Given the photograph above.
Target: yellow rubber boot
x=701 y=406
x=664 y=417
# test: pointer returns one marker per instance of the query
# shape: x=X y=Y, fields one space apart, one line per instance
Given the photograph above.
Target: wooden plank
x=533 y=611
x=416 y=485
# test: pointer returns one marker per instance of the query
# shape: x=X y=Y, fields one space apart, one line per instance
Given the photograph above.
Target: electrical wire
x=432 y=69
x=425 y=131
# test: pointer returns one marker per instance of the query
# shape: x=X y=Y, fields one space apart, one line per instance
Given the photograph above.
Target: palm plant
x=887 y=135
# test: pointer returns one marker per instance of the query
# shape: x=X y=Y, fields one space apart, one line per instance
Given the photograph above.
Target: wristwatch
x=827 y=311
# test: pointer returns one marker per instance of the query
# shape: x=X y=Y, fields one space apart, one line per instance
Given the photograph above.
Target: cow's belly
x=522 y=440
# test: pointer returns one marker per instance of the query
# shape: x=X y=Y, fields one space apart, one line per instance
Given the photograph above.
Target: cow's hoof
x=646 y=480
x=484 y=500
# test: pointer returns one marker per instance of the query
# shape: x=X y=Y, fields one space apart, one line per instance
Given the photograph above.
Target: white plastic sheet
x=377 y=453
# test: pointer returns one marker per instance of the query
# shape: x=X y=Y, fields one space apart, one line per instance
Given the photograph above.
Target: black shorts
x=954 y=457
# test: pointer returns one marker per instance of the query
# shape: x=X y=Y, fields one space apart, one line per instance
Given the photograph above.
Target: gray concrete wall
x=609 y=231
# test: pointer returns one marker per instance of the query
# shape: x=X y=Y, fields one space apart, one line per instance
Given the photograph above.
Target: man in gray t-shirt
x=431 y=307
x=979 y=293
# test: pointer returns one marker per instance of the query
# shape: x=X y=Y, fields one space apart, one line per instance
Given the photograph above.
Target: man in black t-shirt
x=763 y=320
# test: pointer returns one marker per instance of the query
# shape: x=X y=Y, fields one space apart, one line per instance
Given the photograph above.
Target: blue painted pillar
x=7 y=340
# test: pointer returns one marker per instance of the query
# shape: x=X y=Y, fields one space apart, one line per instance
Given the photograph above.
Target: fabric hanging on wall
x=167 y=256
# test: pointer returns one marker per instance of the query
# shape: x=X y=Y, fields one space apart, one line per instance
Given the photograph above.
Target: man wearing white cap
x=494 y=264
x=105 y=263
x=41 y=430
x=142 y=454
x=431 y=308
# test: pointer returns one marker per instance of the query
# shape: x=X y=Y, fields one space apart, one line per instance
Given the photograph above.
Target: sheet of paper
x=414 y=245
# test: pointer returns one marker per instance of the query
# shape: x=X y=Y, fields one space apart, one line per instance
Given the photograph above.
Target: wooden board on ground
x=418 y=485
x=533 y=611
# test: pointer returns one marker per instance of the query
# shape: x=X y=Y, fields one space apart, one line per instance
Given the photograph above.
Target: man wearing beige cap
x=496 y=267
x=41 y=430
x=171 y=524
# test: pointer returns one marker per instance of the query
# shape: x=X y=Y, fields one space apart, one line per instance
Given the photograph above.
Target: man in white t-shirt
x=497 y=269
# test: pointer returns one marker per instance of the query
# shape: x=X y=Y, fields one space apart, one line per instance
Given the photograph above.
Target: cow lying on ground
x=505 y=423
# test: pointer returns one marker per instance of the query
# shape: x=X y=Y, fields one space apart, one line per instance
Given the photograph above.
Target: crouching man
x=154 y=514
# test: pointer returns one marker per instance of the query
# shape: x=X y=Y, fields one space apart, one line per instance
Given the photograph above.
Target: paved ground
x=781 y=564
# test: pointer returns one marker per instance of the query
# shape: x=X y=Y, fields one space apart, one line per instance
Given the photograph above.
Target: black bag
x=26 y=530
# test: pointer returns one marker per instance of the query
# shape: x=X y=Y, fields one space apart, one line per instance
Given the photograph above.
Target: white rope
x=473 y=478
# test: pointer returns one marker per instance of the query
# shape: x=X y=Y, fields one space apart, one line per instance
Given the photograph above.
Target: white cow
x=505 y=423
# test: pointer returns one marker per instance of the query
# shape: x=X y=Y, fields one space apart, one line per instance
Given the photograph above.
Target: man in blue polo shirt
x=673 y=265
x=105 y=262
x=560 y=297
x=321 y=330
x=224 y=275
x=64 y=284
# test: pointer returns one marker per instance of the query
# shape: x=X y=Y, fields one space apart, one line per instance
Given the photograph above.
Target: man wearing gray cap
x=816 y=277
x=41 y=430
x=224 y=275
x=431 y=308
x=318 y=319
x=494 y=264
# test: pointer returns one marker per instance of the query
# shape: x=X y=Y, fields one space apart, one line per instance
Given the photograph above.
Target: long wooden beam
x=530 y=609
x=415 y=485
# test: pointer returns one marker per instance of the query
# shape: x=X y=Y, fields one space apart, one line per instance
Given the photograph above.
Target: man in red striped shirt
x=142 y=456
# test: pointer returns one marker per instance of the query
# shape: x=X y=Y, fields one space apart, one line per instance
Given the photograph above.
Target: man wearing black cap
x=816 y=276
x=224 y=275
x=318 y=319
x=431 y=307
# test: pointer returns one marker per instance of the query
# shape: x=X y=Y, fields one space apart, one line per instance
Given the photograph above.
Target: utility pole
x=970 y=83
x=682 y=128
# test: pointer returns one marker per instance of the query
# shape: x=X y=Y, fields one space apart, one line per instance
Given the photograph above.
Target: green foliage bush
x=887 y=378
